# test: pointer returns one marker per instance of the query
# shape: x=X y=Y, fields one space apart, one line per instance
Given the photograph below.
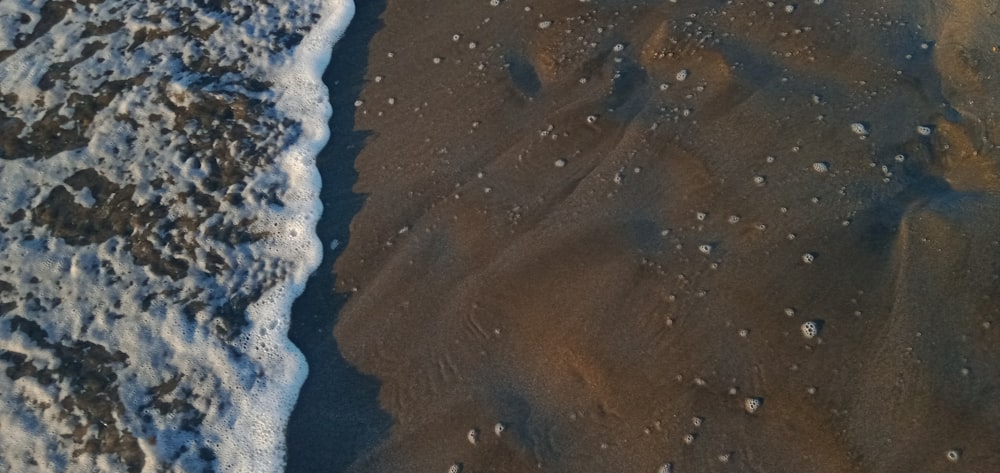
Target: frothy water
x=158 y=199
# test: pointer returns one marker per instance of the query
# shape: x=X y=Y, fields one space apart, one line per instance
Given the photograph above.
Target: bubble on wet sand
x=811 y=328
x=752 y=404
x=859 y=129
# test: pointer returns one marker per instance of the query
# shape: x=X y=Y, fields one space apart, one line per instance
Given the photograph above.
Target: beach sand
x=604 y=224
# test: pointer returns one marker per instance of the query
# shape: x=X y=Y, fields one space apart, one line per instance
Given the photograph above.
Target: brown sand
x=517 y=262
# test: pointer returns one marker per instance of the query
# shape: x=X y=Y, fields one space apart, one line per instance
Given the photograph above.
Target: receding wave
x=158 y=198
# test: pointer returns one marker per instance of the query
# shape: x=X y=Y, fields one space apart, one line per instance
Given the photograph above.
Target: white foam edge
x=255 y=441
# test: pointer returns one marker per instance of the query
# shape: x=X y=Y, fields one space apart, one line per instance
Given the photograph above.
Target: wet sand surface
x=612 y=227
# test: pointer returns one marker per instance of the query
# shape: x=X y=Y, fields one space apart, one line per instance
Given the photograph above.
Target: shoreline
x=299 y=85
x=336 y=417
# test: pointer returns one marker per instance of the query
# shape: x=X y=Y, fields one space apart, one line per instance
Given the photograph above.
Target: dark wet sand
x=593 y=231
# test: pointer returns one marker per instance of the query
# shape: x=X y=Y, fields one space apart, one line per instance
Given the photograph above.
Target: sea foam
x=158 y=200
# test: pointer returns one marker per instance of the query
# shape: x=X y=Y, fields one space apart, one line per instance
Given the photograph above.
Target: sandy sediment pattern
x=142 y=203
x=679 y=236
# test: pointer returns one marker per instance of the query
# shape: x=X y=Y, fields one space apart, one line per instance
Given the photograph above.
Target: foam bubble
x=752 y=404
x=859 y=129
x=811 y=328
